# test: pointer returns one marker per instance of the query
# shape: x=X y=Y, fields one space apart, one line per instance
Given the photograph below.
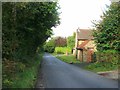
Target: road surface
x=58 y=74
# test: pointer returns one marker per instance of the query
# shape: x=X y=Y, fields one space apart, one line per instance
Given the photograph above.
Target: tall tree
x=71 y=41
x=26 y=26
x=107 y=31
x=60 y=42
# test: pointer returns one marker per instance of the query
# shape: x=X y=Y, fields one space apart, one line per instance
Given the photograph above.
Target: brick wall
x=89 y=55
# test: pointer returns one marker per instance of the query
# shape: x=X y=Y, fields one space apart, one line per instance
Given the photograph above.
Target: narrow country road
x=58 y=74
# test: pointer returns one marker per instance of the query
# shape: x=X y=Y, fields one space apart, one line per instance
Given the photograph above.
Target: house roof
x=83 y=44
x=84 y=34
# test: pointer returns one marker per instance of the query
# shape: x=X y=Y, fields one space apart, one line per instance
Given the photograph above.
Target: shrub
x=49 y=49
x=49 y=46
x=110 y=56
x=20 y=75
x=100 y=66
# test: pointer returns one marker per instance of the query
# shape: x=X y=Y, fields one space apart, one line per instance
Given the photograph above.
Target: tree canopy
x=60 y=42
x=71 y=41
x=107 y=31
x=26 y=26
x=49 y=46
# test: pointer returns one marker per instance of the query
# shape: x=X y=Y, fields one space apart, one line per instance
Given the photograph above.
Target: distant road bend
x=58 y=74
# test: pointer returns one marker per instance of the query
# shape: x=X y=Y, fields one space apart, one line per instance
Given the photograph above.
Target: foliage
x=104 y=61
x=71 y=41
x=26 y=26
x=109 y=56
x=62 y=50
x=49 y=46
x=107 y=31
x=21 y=79
x=60 y=42
x=99 y=66
x=68 y=59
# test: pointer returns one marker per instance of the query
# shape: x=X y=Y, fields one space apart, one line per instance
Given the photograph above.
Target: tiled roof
x=83 y=44
x=84 y=34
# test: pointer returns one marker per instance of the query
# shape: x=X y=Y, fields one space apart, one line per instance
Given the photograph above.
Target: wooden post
x=66 y=53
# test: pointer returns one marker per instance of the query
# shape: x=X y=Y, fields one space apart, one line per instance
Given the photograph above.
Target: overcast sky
x=78 y=13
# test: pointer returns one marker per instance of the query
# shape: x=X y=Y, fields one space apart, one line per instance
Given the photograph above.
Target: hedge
x=62 y=50
x=110 y=56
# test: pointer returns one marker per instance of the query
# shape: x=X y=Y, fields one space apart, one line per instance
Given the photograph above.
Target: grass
x=106 y=60
x=68 y=58
x=101 y=66
x=94 y=67
x=26 y=78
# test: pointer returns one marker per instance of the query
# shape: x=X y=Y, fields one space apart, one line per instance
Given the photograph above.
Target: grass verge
x=25 y=78
x=101 y=66
x=68 y=58
x=94 y=67
x=28 y=77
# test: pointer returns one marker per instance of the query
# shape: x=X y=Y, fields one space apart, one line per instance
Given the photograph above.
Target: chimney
x=76 y=42
x=76 y=38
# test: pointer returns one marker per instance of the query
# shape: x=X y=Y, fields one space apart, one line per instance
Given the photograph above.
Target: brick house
x=84 y=45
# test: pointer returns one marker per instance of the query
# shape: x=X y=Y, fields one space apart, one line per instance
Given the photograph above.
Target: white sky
x=78 y=13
